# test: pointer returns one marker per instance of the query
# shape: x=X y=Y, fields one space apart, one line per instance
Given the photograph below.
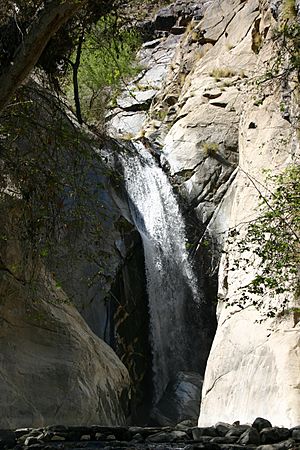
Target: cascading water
x=170 y=279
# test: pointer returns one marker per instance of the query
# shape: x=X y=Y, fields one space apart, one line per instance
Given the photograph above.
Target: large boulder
x=53 y=368
x=180 y=400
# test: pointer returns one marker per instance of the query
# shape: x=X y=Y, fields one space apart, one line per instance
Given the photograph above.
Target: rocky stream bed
x=260 y=435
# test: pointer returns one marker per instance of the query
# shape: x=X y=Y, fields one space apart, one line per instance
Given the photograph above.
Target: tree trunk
x=54 y=14
x=75 y=67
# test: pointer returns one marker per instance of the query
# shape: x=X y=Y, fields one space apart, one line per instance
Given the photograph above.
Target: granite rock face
x=254 y=362
x=209 y=78
x=216 y=132
x=127 y=119
x=53 y=368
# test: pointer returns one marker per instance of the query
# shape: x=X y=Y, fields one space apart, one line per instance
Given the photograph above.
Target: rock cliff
x=54 y=369
x=254 y=363
x=216 y=130
x=198 y=108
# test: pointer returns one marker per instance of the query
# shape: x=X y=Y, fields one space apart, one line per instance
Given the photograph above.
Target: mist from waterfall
x=170 y=279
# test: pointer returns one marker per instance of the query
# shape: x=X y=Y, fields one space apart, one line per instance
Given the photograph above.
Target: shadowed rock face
x=180 y=401
x=130 y=326
x=53 y=368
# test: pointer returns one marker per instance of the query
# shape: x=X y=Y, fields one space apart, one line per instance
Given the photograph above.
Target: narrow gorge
x=125 y=267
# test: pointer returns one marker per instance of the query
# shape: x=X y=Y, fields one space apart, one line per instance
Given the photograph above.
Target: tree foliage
x=287 y=38
x=107 y=59
x=51 y=182
x=23 y=52
x=285 y=66
x=18 y=17
x=44 y=33
x=274 y=240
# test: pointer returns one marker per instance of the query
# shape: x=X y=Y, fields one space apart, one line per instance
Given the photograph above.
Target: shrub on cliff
x=274 y=240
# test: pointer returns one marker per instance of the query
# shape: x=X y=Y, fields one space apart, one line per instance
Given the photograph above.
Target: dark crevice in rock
x=130 y=325
x=219 y=104
x=6 y=270
x=222 y=160
x=136 y=107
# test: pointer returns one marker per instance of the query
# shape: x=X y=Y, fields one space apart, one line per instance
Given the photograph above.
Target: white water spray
x=170 y=279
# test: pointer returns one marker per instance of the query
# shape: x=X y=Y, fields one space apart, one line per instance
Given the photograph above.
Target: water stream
x=171 y=282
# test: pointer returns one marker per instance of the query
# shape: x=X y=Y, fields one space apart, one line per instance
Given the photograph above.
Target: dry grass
x=210 y=148
x=289 y=9
x=222 y=72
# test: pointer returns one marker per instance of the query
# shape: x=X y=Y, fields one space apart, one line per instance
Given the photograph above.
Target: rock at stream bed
x=151 y=438
x=180 y=400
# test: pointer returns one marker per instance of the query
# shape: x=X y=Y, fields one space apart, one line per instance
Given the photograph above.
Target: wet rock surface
x=180 y=401
x=184 y=436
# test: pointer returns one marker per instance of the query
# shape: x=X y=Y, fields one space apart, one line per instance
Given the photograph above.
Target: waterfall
x=171 y=282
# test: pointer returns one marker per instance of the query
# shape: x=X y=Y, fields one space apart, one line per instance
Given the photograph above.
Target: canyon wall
x=54 y=368
x=217 y=128
x=199 y=108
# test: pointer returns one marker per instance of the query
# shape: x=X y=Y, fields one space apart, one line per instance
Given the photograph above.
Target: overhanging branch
x=54 y=14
